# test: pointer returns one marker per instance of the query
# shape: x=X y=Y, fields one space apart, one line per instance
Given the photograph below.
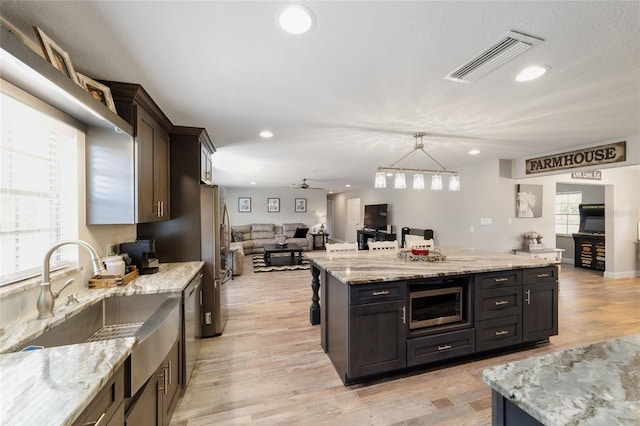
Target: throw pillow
x=289 y=229
x=301 y=233
x=236 y=236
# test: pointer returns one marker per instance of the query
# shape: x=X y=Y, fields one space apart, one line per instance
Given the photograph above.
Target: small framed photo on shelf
x=273 y=205
x=244 y=204
x=99 y=91
x=57 y=56
x=301 y=205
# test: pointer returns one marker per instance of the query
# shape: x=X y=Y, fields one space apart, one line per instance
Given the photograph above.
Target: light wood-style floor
x=268 y=369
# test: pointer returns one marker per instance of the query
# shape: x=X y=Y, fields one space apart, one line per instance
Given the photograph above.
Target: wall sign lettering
x=589 y=175
x=604 y=154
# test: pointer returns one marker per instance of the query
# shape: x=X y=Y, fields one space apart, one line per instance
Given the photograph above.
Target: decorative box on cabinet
x=151 y=129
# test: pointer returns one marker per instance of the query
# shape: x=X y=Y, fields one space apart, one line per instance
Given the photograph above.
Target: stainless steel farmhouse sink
x=154 y=319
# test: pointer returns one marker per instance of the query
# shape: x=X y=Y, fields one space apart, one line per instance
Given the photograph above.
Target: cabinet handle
x=499 y=280
x=380 y=293
x=163 y=377
x=97 y=422
x=404 y=314
x=169 y=372
x=542 y=275
x=444 y=348
x=527 y=297
x=501 y=302
x=501 y=332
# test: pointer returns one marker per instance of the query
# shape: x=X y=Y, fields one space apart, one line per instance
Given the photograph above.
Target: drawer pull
x=444 y=347
x=542 y=275
x=501 y=302
x=97 y=422
x=501 y=332
x=380 y=293
x=499 y=280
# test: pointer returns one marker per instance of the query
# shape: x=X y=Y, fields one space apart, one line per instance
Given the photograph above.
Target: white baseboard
x=621 y=275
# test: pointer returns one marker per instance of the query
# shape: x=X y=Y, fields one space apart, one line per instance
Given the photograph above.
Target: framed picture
x=529 y=201
x=99 y=91
x=57 y=56
x=273 y=205
x=301 y=205
x=244 y=204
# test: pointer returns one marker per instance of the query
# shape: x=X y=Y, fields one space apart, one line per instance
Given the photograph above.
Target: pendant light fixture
x=418 y=178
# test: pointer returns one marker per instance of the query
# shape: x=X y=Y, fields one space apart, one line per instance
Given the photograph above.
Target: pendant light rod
x=417 y=146
x=407 y=169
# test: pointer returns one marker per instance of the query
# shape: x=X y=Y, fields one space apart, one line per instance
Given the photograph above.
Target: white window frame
x=567 y=210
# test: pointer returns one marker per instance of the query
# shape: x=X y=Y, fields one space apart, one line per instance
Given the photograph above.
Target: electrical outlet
x=471 y=229
x=207 y=318
x=486 y=221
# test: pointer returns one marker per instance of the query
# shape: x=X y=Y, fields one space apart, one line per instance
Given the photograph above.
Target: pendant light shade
x=418 y=181
x=436 y=182
x=454 y=183
x=381 y=180
x=400 y=181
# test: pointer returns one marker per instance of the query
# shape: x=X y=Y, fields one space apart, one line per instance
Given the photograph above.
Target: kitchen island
x=56 y=385
x=372 y=307
x=597 y=384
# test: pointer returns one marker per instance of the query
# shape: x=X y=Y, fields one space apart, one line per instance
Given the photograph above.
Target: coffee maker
x=143 y=254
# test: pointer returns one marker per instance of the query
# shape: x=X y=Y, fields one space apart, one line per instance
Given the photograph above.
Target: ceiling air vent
x=506 y=48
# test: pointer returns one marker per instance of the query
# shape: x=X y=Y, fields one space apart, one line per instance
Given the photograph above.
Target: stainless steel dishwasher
x=192 y=325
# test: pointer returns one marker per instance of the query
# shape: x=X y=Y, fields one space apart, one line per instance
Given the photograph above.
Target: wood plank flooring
x=268 y=368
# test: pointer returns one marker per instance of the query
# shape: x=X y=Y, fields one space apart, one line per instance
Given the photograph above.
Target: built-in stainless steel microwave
x=436 y=307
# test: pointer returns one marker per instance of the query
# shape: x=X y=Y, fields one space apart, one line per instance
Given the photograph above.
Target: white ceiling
x=347 y=96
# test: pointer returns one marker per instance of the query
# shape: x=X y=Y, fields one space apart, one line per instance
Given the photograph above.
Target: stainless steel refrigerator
x=195 y=229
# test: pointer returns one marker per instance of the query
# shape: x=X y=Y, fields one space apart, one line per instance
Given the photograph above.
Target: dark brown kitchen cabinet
x=107 y=408
x=156 y=400
x=540 y=306
x=151 y=129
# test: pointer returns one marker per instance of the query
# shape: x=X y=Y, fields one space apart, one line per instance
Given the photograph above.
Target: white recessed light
x=253 y=182
x=474 y=152
x=532 y=73
x=266 y=134
x=348 y=186
x=296 y=19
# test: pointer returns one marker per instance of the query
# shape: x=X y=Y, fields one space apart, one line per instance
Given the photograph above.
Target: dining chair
x=342 y=248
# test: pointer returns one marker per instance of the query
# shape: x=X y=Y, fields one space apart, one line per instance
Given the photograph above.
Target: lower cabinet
x=107 y=408
x=155 y=401
x=498 y=332
x=377 y=338
x=540 y=311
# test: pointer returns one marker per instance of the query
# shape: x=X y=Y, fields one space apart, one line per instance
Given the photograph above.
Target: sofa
x=252 y=238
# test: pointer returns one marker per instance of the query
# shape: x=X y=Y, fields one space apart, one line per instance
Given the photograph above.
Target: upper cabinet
x=151 y=129
x=187 y=137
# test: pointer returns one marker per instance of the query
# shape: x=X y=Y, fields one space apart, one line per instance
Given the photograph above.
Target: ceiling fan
x=304 y=185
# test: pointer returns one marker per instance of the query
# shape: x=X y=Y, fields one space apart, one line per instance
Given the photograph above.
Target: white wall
x=316 y=206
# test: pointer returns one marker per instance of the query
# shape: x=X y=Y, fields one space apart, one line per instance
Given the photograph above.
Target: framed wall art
x=301 y=205
x=529 y=201
x=273 y=205
x=57 y=56
x=99 y=91
x=244 y=204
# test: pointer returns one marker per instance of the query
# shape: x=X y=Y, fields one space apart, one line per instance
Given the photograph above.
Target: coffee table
x=291 y=248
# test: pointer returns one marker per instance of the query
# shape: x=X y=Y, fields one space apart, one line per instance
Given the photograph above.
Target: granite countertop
x=365 y=266
x=54 y=385
x=598 y=384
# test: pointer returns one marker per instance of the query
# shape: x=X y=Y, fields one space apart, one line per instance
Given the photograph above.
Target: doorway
x=353 y=219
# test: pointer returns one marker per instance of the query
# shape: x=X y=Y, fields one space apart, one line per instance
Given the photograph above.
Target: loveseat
x=252 y=238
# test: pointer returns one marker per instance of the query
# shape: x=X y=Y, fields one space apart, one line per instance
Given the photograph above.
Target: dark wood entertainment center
x=364 y=235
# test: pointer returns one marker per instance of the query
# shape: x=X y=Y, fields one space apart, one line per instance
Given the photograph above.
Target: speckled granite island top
x=367 y=267
x=53 y=386
x=598 y=384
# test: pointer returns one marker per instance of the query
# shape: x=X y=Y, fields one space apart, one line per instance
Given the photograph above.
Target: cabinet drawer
x=499 y=302
x=375 y=293
x=498 y=332
x=498 y=279
x=423 y=350
x=540 y=275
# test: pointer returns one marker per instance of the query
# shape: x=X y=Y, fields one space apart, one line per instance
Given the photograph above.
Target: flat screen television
x=375 y=217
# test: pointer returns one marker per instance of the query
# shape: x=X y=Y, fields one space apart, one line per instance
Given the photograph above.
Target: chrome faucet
x=47 y=298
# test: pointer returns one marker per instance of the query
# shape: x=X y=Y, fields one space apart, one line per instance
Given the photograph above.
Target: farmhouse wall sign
x=594 y=156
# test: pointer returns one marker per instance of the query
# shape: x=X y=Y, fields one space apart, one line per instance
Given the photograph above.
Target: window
x=38 y=189
x=567 y=212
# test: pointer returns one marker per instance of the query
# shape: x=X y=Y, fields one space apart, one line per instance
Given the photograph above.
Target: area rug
x=259 y=266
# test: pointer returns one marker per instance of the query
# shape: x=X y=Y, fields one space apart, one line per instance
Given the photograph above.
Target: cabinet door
x=498 y=332
x=499 y=302
x=377 y=338
x=152 y=151
x=540 y=311
x=144 y=411
x=206 y=167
